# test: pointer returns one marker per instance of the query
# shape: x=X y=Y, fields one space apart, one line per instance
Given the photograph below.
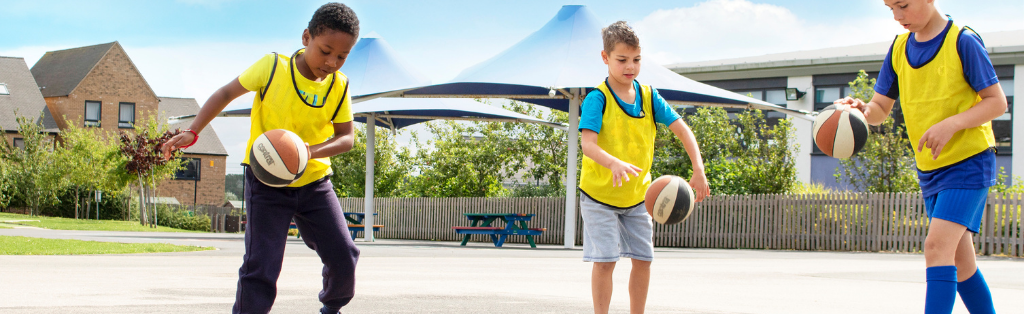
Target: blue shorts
x=965 y=207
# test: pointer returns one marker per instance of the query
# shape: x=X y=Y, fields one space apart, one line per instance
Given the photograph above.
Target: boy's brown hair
x=619 y=32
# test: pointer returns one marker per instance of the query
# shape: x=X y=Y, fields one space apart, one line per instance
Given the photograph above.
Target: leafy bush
x=1017 y=186
x=182 y=219
x=537 y=190
x=742 y=155
x=811 y=188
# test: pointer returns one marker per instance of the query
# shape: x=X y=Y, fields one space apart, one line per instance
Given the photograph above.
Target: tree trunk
x=155 y=216
x=142 y=202
x=78 y=203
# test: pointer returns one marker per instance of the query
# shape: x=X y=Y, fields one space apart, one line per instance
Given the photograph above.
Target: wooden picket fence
x=894 y=222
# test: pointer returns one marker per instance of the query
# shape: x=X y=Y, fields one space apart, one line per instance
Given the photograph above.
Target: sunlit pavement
x=398 y=276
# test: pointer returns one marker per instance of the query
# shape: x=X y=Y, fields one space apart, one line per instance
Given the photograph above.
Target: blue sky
x=189 y=48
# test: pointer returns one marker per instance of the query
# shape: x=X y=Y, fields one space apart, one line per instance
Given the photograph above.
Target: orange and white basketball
x=278 y=157
x=840 y=131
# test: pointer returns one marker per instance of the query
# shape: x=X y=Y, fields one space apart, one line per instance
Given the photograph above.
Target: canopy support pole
x=570 y=171
x=371 y=135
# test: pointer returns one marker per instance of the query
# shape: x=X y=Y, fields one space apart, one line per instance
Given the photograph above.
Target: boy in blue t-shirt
x=618 y=122
x=949 y=93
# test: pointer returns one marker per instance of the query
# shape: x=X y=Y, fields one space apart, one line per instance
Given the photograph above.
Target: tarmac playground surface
x=400 y=276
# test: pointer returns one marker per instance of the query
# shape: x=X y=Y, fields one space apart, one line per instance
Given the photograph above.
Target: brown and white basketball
x=278 y=157
x=669 y=200
x=840 y=131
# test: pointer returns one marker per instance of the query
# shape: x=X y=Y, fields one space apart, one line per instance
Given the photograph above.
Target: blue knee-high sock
x=975 y=294
x=941 y=294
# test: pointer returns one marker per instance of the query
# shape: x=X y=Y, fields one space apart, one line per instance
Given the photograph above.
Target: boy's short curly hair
x=619 y=32
x=335 y=16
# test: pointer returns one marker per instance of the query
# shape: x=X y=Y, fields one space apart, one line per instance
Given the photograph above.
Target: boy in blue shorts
x=949 y=93
x=618 y=122
x=305 y=94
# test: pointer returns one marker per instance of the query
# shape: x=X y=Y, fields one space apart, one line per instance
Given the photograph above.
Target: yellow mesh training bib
x=933 y=92
x=287 y=100
x=628 y=138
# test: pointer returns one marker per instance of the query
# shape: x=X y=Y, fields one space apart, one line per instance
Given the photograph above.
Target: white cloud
x=31 y=54
x=720 y=29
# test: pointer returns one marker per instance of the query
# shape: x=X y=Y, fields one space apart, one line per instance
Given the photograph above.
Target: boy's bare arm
x=992 y=105
x=340 y=143
x=620 y=169
x=699 y=181
x=213 y=106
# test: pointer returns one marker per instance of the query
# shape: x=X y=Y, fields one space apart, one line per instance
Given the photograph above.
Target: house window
x=777 y=97
x=92 y=113
x=824 y=96
x=19 y=143
x=773 y=96
x=126 y=115
x=4 y=90
x=190 y=171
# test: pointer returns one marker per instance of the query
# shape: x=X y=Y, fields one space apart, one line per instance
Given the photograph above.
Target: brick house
x=100 y=87
x=19 y=96
x=207 y=160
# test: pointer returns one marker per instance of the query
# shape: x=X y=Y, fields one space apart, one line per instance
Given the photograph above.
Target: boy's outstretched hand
x=621 y=171
x=855 y=104
x=176 y=142
x=699 y=184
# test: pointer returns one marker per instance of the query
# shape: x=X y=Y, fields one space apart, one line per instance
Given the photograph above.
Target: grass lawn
x=40 y=246
x=58 y=223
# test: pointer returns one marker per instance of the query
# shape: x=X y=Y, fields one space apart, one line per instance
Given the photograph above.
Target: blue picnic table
x=515 y=224
x=355 y=224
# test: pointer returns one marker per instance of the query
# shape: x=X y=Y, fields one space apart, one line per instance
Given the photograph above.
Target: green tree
x=744 y=155
x=765 y=156
x=392 y=166
x=463 y=160
x=84 y=157
x=542 y=148
x=233 y=183
x=473 y=159
x=886 y=163
x=6 y=175
x=33 y=169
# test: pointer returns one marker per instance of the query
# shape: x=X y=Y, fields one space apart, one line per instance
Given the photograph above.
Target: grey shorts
x=610 y=233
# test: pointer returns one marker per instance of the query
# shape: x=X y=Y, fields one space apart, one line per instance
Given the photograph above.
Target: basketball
x=669 y=200
x=278 y=157
x=840 y=131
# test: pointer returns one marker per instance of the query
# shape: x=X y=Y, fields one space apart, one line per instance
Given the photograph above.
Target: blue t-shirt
x=977 y=69
x=592 y=113
x=975 y=172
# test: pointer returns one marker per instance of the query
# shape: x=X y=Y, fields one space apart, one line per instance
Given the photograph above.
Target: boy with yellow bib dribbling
x=949 y=94
x=618 y=125
x=306 y=94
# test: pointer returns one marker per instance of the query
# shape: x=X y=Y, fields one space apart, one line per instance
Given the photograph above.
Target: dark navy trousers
x=321 y=222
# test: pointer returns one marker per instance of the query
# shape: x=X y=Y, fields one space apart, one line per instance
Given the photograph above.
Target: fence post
x=986 y=237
